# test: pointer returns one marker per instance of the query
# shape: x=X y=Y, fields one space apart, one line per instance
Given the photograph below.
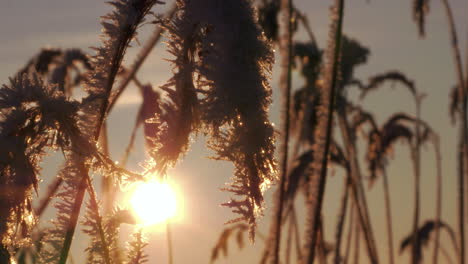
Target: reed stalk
x=357 y=241
x=388 y=212
x=140 y=59
x=357 y=189
x=285 y=84
x=416 y=159
x=342 y=219
x=463 y=134
x=118 y=50
x=170 y=255
x=75 y=213
x=349 y=238
x=317 y=189
x=439 y=183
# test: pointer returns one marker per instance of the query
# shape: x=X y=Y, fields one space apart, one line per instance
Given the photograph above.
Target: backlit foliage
x=225 y=97
x=220 y=86
x=221 y=56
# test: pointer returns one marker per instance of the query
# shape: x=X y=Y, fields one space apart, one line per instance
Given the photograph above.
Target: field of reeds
x=322 y=136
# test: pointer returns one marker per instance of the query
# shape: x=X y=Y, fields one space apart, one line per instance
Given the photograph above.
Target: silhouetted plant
x=75 y=126
x=354 y=54
x=420 y=10
x=323 y=132
x=222 y=61
x=424 y=234
x=238 y=126
x=222 y=244
x=422 y=7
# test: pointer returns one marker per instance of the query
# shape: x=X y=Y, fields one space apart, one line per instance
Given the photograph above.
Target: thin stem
x=342 y=219
x=463 y=127
x=169 y=243
x=305 y=22
x=128 y=149
x=108 y=189
x=438 y=198
x=454 y=43
x=297 y=235
x=321 y=243
x=103 y=111
x=357 y=242
x=289 y=240
x=461 y=179
x=302 y=130
x=388 y=211
x=51 y=190
x=446 y=255
x=98 y=219
x=141 y=57
x=453 y=238
x=416 y=157
x=461 y=169
x=357 y=188
x=350 y=234
x=75 y=213
x=285 y=84
x=138 y=121
x=331 y=89
x=114 y=62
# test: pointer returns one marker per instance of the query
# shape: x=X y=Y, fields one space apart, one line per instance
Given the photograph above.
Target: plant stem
x=316 y=210
x=138 y=121
x=446 y=255
x=350 y=234
x=141 y=57
x=75 y=212
x=51 y=190
x=416 y=158
x=108 y=190
x=388 y=211
x=438 y=198
x=114 y=63
x=462 y=166
x=289 y=240
x=357 y=241
x=321 y=243
x=296 y=235
x=98 y=219
x=169 y=243
x=305 y=22
x=357 y=188
x=342 y=219
x=285 y=84
x=463 y=128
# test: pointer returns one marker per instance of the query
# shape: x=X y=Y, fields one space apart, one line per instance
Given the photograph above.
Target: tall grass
x=222 y=59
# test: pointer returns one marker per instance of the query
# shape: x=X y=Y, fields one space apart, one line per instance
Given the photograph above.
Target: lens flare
x=153 y=202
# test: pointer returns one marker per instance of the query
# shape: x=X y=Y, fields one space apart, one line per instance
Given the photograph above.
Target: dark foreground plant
x=38 y=115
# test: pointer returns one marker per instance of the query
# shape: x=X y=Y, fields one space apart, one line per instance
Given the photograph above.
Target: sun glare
x=153 y=202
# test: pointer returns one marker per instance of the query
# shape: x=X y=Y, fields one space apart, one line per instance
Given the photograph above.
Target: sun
x=153 y=202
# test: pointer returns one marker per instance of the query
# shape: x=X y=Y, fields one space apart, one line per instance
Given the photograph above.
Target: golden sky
x=386 y=27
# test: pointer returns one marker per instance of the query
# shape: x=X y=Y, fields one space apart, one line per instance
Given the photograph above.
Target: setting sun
x=153 y=202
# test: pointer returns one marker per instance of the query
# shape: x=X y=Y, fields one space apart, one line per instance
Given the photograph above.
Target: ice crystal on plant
x=220 y=84
x=33 y=117
x=136 y=255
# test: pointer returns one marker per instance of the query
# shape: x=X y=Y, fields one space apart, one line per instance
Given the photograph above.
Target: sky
x=386 y=27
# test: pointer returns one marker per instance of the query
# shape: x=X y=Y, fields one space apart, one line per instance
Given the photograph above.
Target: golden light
x=153 y=202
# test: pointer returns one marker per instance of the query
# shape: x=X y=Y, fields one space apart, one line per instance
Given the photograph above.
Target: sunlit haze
x=190 y=200
x=153 y=202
